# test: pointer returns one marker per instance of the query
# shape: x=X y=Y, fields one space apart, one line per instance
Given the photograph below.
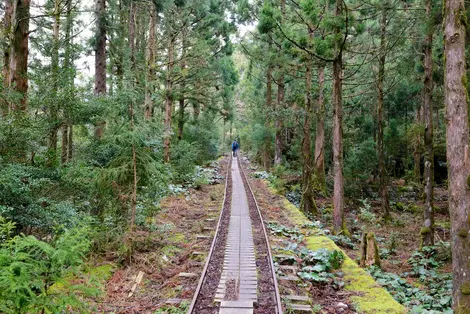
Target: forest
x=116 y=124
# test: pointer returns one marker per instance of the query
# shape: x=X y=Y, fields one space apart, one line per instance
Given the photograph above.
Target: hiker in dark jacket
x=235 y=148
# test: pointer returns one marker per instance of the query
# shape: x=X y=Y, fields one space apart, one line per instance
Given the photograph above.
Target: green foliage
x=366 y=214
x=184 y=156
x=26 y=197
x=343 y=241
x=437 y=299
x=204 y=137
x=6 y=229
x=168 y=309
x=317 y=266
x=37 y=277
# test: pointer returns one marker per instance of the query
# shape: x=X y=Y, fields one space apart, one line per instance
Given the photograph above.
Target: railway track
x=239 y=275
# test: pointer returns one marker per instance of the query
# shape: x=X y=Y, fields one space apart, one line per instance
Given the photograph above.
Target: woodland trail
x=239 y=267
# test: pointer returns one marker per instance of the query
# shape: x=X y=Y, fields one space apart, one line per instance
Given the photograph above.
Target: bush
x=35 y=276
x=184 y=156
x=24 y=198
x=359 y=165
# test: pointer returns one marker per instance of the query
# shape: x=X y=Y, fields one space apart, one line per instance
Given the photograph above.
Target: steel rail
x=273 y=272
x=204 y=270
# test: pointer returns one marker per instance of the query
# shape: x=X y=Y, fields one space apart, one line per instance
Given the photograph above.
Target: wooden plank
x=175 y=301
x=300 y=307
x=188 y=275
x=292 y=297
x=289 y=278
x=138 y=279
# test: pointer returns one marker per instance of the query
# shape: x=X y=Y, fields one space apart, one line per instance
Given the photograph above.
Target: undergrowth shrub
x=40 y=277
x=359 y=164
x=34 y=198
x=184 y=156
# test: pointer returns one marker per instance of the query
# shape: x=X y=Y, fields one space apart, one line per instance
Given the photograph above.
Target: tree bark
x=279 y=102
x=307 y=202
x=382 y=171
x=65 y=139
x=182 y=106
x=280 y=107
x=100 y=59
x=19 y=58
x=320 y=132
x=68 y=70
x=150 y=81
x=54 y=107
x=181 y=118
x=70 y=143
x=267 y=139
x=339 y=224
x=168 y=98
x=416 y=151
x=458 y=155
x=427 y=231
x=6 y=54
x=132 y=13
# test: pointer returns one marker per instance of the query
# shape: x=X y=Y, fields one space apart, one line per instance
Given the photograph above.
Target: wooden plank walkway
x=239 y=272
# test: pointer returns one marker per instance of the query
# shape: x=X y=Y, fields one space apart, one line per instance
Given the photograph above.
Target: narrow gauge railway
x=239 y=275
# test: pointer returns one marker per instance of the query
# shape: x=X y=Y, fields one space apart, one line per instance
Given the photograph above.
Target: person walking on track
x=235 y=147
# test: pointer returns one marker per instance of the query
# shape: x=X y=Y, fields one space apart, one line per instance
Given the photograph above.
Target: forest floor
x=170 y=254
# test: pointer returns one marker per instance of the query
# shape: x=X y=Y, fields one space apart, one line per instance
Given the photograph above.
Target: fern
x=36 y=277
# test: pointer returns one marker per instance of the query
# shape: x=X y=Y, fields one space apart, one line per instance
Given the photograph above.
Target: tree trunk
x=458 y=155
x=267 y=139
x=150 y=81
x=427 y=231
x=70 y=143
x=168 y=99
x=65 y=144
x=54 y=107
x=320 y=132
x=196 y=111
x=416 y=151
x=339 y=224
x=19 y=59
x=370 y=253
x=181 y=118
x=307 y=202
x=182 y=106
x=280 y=107
x=68 y=70
x=280 y=102
x=100 y=59
x=383 y=177
x=6 y=54
x=132 y=13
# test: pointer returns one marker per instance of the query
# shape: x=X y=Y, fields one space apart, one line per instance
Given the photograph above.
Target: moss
x=468 y=181
x=367 y=295
x=177 y=237
x=425 y=230
x=102 y=272
x=462 y=310
x=465 y=288
x=463 y=233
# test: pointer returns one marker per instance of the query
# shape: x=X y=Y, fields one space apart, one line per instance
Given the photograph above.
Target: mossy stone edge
x=367 y=295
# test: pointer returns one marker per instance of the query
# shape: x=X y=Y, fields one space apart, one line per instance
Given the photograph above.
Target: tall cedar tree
x=458 y=154
x=100 y=58
x=427 y=231
x=339 y=224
